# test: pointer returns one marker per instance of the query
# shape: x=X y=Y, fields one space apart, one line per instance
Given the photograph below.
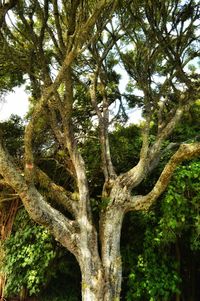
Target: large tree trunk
x=97 y=288
x=110 y=232
x=101 y=277
x=101 y=280
x=92 y=282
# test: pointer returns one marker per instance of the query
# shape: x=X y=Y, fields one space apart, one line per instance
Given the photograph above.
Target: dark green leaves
x=29 y=253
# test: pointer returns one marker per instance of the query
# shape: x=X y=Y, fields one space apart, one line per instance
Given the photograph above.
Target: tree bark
x=92 y=279
x=101 y=278
x=110 y=234
x=111 y=257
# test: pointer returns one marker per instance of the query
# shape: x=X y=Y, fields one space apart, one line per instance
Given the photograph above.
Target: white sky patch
x=15 y=103
x=135 y=116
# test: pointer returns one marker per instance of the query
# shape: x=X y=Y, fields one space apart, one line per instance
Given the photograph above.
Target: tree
x=9 y=200
x=68 y=50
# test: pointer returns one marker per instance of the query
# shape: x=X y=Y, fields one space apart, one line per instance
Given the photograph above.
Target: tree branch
x=58 y=26
x=135 y=175
x=57 y=192
x=4 y=8
x=185 y=152
x=62 y=228
x=61 y=76
x=103 y=115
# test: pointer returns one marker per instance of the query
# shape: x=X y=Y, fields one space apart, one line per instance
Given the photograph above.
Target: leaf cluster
x=30 y=251
x=155 y=269
x=12 y=134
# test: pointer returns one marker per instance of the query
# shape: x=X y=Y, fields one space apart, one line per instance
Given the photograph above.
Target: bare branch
x=103 y=117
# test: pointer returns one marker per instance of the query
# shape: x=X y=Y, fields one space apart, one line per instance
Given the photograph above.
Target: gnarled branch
x=185 y=152
x=62 y=228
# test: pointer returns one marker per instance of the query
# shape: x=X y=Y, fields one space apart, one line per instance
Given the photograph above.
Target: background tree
x=9 y=200
x=64 y=48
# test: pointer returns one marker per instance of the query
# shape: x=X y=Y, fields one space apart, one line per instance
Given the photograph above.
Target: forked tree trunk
x=101 y=277
x=92 y=283
x=99 y=288
x=100 y=284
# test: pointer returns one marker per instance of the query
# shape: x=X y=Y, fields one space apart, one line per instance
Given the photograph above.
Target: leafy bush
x=29 y=253
x=156 y=274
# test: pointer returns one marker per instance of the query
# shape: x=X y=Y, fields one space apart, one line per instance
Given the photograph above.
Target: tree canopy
x=68 y=54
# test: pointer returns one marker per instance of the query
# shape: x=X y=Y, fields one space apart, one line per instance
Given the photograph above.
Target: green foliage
x=34 y=261
x=10 y=75
x=12 y=131
x=29 y=253
x=125 y=146
x=155 y=274
x=181 y=206
x=155 y=278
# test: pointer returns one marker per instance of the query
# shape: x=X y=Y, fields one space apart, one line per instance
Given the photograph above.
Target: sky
x=15 y=103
